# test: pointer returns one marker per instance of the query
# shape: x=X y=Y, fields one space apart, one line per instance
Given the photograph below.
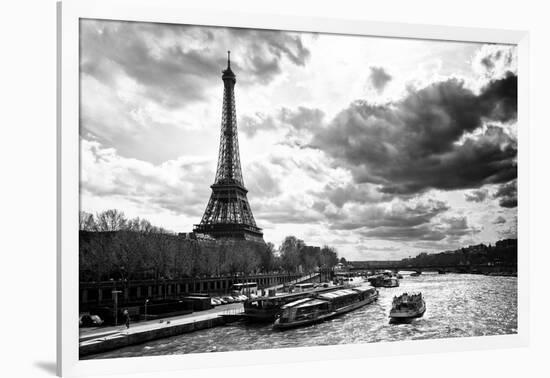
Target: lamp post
x=146 y=301
x=115 y=294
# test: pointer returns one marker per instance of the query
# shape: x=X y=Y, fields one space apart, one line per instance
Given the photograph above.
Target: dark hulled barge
x=265 y=309
x=324 y=306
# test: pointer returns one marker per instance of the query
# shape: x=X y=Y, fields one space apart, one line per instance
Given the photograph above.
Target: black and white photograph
x=248 y=189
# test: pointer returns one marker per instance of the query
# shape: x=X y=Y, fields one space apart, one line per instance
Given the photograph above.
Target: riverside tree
x=114 y=247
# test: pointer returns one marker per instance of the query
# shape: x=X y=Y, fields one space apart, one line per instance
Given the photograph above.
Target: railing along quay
x=100 y=293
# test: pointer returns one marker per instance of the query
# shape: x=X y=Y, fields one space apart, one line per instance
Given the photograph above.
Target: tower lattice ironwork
x=228 y=214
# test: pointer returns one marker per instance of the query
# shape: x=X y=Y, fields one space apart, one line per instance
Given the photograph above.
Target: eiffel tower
x=228 y=214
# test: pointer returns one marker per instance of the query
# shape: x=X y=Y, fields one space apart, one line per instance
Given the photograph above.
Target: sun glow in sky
x=382 y=148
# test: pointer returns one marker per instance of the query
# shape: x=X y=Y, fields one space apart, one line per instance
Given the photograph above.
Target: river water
x=458 y=305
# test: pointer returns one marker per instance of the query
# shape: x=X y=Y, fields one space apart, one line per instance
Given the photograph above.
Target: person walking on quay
x=127 y=318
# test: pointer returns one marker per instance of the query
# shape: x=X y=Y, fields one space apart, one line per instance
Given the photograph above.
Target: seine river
x=458 y=305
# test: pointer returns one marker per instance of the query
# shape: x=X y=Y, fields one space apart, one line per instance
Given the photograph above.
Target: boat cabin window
x=310 y=311
x=246 y=288
x=303 y=286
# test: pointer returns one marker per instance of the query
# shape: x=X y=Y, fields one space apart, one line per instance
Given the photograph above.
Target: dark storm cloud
x=449 y=228
x=265 y=50
x=423 y=232
x=499 y=99
x=495 y=60
x=379 y=78
x=171 y=73
x=476 y=195
x=507 y=195
x=424 y=141
x=396 y=217
x=169 y=76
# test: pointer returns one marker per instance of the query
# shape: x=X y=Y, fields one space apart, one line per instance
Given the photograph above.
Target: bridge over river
x=395 y=266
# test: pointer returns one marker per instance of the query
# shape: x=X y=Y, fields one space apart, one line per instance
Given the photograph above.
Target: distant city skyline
x=382 y=148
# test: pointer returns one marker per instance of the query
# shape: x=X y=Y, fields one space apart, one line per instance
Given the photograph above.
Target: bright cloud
x=382 y=148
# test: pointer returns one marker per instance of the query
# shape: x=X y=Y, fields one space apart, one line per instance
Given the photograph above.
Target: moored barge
x=265 y=309
x=324 y=306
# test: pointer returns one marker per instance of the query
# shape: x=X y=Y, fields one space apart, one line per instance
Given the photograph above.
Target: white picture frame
x=69 y=13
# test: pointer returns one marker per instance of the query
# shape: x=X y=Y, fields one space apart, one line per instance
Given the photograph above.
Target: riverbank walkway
x=102 y=339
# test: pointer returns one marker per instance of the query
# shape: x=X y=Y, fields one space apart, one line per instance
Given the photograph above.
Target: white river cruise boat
x=323 y=306
x=407 y=306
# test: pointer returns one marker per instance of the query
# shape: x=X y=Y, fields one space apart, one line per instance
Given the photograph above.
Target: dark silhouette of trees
x=110 y=220
x=295 y=254
x=114 y=247
x=87 y=221
x=328 y=257
x=290 y=253
x=268 y=261
x=504 y=252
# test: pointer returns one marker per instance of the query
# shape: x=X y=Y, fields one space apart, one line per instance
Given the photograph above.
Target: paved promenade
x=90 y=338
x=101 y=339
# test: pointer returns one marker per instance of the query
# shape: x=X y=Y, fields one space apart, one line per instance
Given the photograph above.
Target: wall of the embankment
x=124 y=340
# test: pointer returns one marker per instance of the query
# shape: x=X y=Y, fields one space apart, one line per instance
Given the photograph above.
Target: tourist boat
x=265 y=309
x=377 y=280
x=348 y=279
x=351 y=281
x=407 y=306
x=323 y=306
x=384 y=281
x=390 y=282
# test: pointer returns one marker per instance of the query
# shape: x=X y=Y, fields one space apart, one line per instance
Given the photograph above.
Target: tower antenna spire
x=228 y=59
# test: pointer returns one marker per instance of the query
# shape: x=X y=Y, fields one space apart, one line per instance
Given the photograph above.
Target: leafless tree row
x=113 y=247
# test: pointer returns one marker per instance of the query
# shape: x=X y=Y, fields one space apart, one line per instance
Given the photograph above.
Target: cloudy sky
x=382 y=148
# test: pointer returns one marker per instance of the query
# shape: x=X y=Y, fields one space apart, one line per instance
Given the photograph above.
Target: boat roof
x=296 y=303
x=281 y=296
x=364 y=288
x=298 y=294
x=337 y=294
x=313 y=302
